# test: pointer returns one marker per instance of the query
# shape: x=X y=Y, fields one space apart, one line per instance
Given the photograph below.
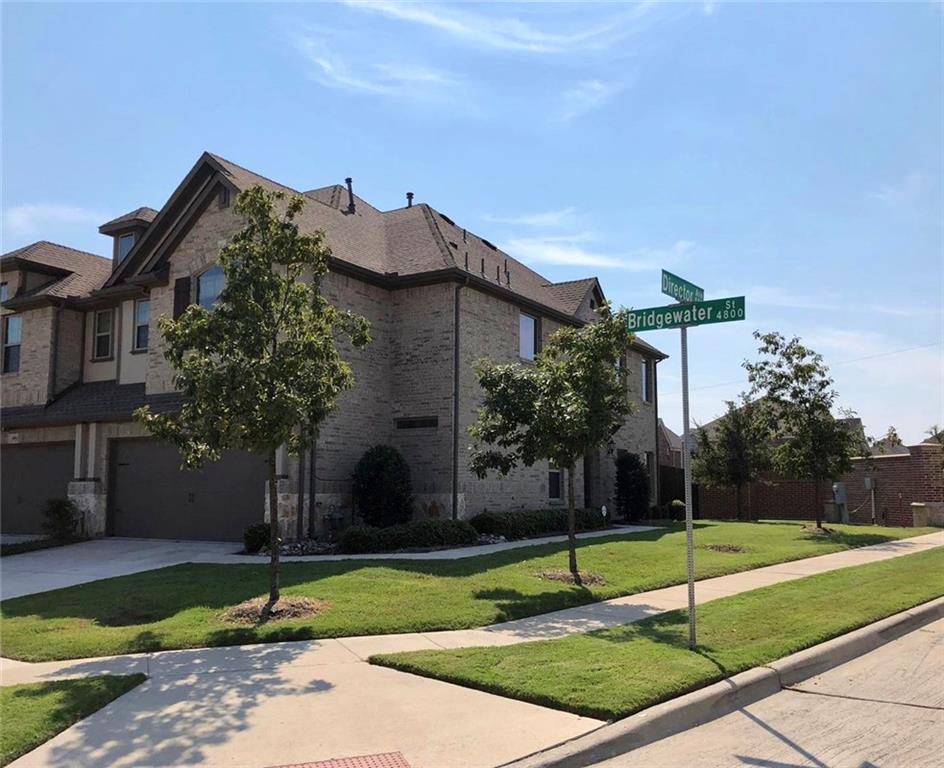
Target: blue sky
x=789 y=152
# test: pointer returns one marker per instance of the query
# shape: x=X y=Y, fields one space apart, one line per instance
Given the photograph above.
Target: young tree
x=569 y=403
x=791 y=384
x=735 y=452
x=265 y=360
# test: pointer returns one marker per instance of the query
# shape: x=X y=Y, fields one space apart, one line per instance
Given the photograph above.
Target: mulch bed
x=587 y=579
x=722 y=547
x=258 y=610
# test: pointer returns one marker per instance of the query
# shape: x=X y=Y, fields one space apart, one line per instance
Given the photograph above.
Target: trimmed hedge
x=527 y=524
x=255 y=537
x=422 y=534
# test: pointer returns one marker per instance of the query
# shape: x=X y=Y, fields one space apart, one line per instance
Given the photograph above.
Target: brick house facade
x=437 y=298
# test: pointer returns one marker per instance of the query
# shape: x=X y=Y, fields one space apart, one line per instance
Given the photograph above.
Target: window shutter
x=181 y=296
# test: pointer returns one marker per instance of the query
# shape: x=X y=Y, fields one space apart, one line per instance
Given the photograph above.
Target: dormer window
x=125 y=244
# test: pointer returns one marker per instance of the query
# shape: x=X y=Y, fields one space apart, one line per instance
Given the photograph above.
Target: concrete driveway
x=58 y=567
x=885 y=708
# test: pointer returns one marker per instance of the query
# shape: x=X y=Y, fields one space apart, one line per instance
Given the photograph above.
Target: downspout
x=455 y=402
x=300 y=505
x=312 y=454
x=657 y=485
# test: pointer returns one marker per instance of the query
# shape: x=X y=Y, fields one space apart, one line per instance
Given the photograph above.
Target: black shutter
x=181 y=296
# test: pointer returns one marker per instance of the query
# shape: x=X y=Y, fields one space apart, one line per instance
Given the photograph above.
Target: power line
x=841 y=362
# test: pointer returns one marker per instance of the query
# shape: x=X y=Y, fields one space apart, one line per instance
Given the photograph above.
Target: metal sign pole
x=687 y=467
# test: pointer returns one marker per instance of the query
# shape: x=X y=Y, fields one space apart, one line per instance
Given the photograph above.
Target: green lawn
x=613 y=673
x=35 y=712
x=180 y=607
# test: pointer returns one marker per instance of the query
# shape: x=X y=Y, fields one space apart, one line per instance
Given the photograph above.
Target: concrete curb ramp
x=726 y=696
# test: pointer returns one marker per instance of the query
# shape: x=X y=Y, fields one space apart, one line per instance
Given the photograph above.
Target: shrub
x=534 y=522
x=61 y=518
x=383 y=493
x=632 y=487
x=422 y=534
x=255 y=537
x=675 y=510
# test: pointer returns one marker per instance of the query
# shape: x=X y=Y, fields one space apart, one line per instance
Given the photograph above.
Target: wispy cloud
x=906 y=311
x=562 y=217
x=906 y=191
x=509 y=33
x=584 y=97
x=34 y=218
x=391 y=79
x=577 y=251
x=775 y=296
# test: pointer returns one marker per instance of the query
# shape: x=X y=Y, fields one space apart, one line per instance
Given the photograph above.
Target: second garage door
x=32 y=475
x=152 y=497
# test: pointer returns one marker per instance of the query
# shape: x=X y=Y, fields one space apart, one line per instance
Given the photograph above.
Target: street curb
x=728 y=695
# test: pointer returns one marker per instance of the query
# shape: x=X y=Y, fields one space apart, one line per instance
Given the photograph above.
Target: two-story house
x=82 y=351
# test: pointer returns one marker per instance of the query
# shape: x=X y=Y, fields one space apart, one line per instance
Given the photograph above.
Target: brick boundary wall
x=899 y=481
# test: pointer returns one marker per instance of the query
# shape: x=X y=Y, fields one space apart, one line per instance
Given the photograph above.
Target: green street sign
x=681 y=290
x=680 y=315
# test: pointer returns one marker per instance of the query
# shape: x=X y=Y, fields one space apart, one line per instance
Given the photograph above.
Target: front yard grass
x=613 y=673
x=35 y=712
x=182 y=606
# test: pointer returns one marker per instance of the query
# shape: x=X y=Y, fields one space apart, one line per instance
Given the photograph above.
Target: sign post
x=692 y=309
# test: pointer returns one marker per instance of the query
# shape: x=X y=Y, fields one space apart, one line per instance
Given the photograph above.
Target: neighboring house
x=670 y=447
x=82 y=351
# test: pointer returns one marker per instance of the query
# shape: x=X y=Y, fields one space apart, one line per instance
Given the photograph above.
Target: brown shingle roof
x=572 y=292
x=144 y=213
x=88 y=271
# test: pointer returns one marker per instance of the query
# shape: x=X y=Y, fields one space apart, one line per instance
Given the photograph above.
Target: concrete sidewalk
x=58 y=567
x=298 y=702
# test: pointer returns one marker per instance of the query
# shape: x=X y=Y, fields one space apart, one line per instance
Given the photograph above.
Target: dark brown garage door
x=152 y=497
x=31 y=475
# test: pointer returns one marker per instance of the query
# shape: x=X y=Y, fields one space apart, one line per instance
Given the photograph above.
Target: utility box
x=840 y=499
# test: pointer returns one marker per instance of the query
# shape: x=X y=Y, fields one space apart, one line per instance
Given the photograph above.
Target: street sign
x=692 y=310
x=683 y=315
x=681 y=290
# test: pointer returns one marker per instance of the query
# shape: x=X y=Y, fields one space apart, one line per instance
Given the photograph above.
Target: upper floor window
x=12 y=334
x=125 y=244
x=142 y=320
x=210 y=286
x=103 y=335
x=646 y=374
x=527 y=336
x=4 y=292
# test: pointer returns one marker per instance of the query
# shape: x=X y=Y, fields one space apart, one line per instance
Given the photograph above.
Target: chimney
x=409 y=199
x=350 y=194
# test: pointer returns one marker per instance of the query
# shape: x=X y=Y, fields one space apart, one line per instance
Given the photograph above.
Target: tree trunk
x=572 y=526
x=819 y=507
x=273 y=533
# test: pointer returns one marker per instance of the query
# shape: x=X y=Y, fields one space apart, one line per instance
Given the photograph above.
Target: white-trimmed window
x=646 y=375
x=125 y=244
x=142 y=321
x=210 y=286
x=103 y=334
x=12 y=337
x=528 y=329
x=555 y=483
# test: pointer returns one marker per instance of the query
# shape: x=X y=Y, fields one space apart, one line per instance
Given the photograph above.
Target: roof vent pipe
x=409 y=199
x=498 y=273
x=483 y=267
x=350 y=194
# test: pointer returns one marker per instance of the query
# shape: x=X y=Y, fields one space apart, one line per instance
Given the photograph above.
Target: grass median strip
x=184 y=606
x=35 y=712
x=612 y=673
